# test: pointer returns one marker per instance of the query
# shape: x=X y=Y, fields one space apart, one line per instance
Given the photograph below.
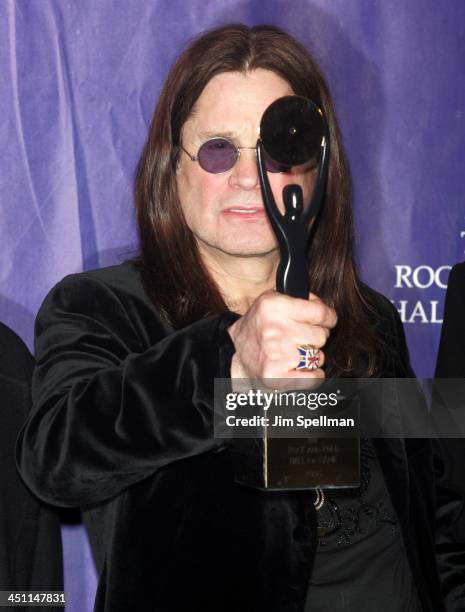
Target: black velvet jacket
x=122 y=425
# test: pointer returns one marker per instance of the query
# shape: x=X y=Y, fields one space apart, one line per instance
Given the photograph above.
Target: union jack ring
x=309 y=357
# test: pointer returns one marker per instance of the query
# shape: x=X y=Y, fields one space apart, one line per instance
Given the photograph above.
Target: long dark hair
x=173 y=273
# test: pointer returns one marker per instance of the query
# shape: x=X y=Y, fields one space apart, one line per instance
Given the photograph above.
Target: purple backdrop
x=78 y=83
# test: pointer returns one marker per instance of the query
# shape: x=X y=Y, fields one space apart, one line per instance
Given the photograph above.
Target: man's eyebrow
x=217 y=134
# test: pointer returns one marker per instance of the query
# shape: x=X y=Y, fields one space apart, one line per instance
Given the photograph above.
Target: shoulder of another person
x=15 y=359
x=457 y=276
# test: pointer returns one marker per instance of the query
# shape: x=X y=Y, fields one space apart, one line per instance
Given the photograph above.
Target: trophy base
x=277 y=464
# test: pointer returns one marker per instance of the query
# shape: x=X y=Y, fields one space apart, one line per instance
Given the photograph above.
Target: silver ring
x=319 y=498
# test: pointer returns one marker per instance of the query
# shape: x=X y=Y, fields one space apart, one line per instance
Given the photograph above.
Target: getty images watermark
x=253 y=411
x=370 y=408
x=269 y=402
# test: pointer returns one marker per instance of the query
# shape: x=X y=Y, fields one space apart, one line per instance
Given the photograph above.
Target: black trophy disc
x=291 y=130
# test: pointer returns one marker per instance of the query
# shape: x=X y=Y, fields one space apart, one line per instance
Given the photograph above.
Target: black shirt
x=360 y=562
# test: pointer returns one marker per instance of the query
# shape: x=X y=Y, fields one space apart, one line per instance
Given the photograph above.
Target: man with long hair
x=123 y=396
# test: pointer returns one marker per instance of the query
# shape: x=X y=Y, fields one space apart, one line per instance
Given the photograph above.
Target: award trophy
x=293 y=131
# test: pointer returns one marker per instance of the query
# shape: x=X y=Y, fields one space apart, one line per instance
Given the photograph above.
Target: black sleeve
x=16 y=362
x=450 y=398
x=448 y=499
x=30 y=551
x=106 y=414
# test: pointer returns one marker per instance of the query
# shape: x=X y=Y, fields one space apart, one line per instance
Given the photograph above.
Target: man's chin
x=234 y=248
x=238 y=250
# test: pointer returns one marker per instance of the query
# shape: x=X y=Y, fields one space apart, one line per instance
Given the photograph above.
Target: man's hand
x=266 y=337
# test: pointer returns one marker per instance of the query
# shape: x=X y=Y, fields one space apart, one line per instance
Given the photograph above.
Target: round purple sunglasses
x=219 y=155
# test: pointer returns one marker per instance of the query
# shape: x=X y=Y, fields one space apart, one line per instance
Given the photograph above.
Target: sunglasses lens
x=272 y=166
x=217 y=155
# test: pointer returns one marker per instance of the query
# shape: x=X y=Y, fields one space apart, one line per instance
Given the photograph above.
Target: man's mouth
x=245 y=211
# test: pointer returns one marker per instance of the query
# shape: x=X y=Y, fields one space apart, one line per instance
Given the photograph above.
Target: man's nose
x=244 y=173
